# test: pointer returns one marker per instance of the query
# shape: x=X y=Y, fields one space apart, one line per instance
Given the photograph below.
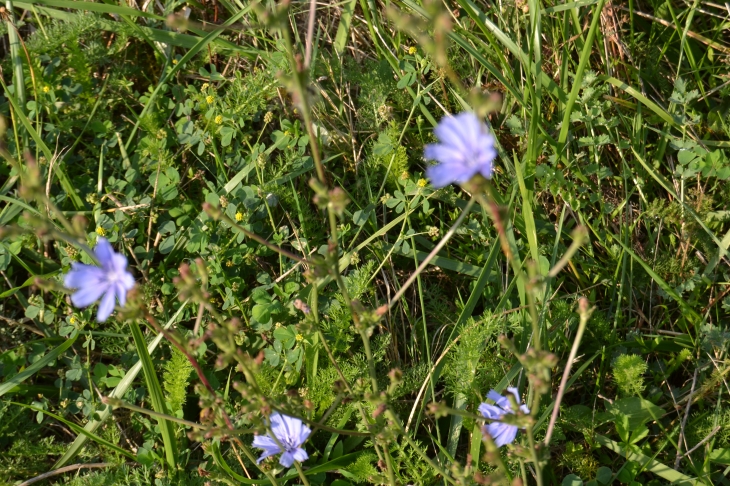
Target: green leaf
x=261 y=313
x=166 y=228
x=628 y=472
x=720 y=456
x=384 y=146
x=572 y=480
x=226 y=136
x=167 y=245
x=604 y=475
x=360 y=217
x=637 y=410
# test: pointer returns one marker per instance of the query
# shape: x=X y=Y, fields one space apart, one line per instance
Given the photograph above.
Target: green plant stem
x=584 y=316
x=301 y=473
x=433 y=253
x=252 y=458
x=301 y=94
x=152 y=413
x=533 y=450
x=361 y=410
x=371 y=361
x=17 y=61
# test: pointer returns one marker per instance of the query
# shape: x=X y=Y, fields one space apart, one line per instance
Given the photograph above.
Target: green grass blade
x=647 y=463
x=569 y=5
x=484 y=23
x=527 y=214
x=157 y=397
x=148 y=33
x=339 y=463
x=578 y=80
x=343 y=29
x=118 y=392
x=103 y=8
x=80 y=430
x=37 y=366
x=17 y=60
x=658 y=110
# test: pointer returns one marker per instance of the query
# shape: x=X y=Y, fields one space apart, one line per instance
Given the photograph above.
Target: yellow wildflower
x=100 y=231
x=422 y=183
x=300 y=337
x=46 y=89
x=239 y=216
x=412 y=50
x=210 y=99
x=174 y=61
x=72 y=320
x=204 y=87
x=219 y=119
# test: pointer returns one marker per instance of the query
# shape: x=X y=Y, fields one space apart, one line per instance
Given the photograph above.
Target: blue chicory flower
x=111 y=281
x=500 y=432
x=291 y=434
x=466 y=149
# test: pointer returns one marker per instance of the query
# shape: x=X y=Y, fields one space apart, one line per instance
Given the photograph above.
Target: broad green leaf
x=720 y=456
x=572 y=480
x=637 y=410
